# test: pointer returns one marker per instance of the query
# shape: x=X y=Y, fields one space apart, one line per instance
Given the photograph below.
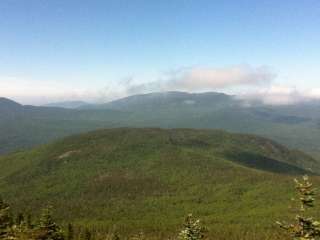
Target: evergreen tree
x=115 y=236
x=48 y=229
x=70 y=235
x=19 y=219
x=29 y=221
x=21 y=232
x=304 y=227
x=5 y=219
x=87 y=235
x=192 y=229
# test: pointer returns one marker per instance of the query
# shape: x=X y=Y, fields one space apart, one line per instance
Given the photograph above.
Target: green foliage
x=305 y=227
x=147 y=179
x=29 y=223
x=19 y=219
x=22 y=232
x=48 y=229
x=5 y=220
x=192 y=229
x=87 y=235
x=115 y=236
x=70 y=234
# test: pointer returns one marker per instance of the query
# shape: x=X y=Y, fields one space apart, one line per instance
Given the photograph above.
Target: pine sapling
x=5 y=220
x=304 y=227
x=192 y=229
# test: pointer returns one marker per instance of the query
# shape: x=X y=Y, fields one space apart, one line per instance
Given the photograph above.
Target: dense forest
x=24 y=227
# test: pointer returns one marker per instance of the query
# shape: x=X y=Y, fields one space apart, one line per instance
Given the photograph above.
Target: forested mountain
x=296 y=126
x=149 y=179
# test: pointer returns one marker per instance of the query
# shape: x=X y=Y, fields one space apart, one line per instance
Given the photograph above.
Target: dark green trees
x=5 y=219
x=304 y=227
x=24 y=229
x=19 y=219
x=70 y=234
x=192 y=229
x=87 y=235
x=48 y=229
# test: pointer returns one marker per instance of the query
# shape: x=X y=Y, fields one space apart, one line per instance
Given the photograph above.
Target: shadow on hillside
x=261 y=162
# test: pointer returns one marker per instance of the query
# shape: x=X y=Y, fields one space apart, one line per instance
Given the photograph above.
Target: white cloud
x=253 y=83
x=198 y=78
x=37 y=92
x=282 y=95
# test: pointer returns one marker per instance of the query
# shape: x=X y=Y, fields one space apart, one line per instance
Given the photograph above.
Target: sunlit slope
x=150 y=178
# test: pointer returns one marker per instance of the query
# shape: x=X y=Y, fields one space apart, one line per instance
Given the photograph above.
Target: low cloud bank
x=256 y=84
x=199 y=79
x=33 y=92
x=281 y=95
x=251 y=83
x=219 y=78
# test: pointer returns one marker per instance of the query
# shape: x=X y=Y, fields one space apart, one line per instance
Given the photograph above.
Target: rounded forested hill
x=149 y=179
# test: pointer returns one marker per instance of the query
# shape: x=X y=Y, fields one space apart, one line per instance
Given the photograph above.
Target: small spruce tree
x=21 y=232
x=87 y=235
x=115 y=236
x=304 y=227
x=19 y=219
x=5 y=220
x=29 y=221
x=48 y=229
x=192 y=229
x=70 y=235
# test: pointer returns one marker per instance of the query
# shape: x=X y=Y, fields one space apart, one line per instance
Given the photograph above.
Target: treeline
x=23 y=227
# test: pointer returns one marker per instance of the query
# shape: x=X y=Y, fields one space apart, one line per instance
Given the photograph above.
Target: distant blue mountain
x=297 y=126
x=67 y=104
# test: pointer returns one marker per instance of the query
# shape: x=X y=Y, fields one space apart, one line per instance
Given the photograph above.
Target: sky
x=92 y=50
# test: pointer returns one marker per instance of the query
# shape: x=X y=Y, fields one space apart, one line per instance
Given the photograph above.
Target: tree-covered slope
x=23 y=127
x=149 y=179
x=296 y=126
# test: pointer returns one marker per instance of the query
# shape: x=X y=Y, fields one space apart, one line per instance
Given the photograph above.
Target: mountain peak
x=8 y=103
x=67 y=104
x=168 y=99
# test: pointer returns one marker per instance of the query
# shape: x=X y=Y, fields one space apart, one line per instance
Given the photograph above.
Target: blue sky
x=67 y=49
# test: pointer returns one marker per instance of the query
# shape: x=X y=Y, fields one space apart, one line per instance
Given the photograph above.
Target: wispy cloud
x=41 y=92
x=253 y=83
x=281 y=95
x=195 y=79
x=199 y=78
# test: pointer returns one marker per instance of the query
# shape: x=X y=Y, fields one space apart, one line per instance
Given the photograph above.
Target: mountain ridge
x=8 y=102
x=67 y=104
x=135 y=178
x=296 y=126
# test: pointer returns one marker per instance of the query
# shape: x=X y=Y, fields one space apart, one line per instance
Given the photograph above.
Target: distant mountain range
x=67 y=104
x=296 y=126
x=154 y=170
